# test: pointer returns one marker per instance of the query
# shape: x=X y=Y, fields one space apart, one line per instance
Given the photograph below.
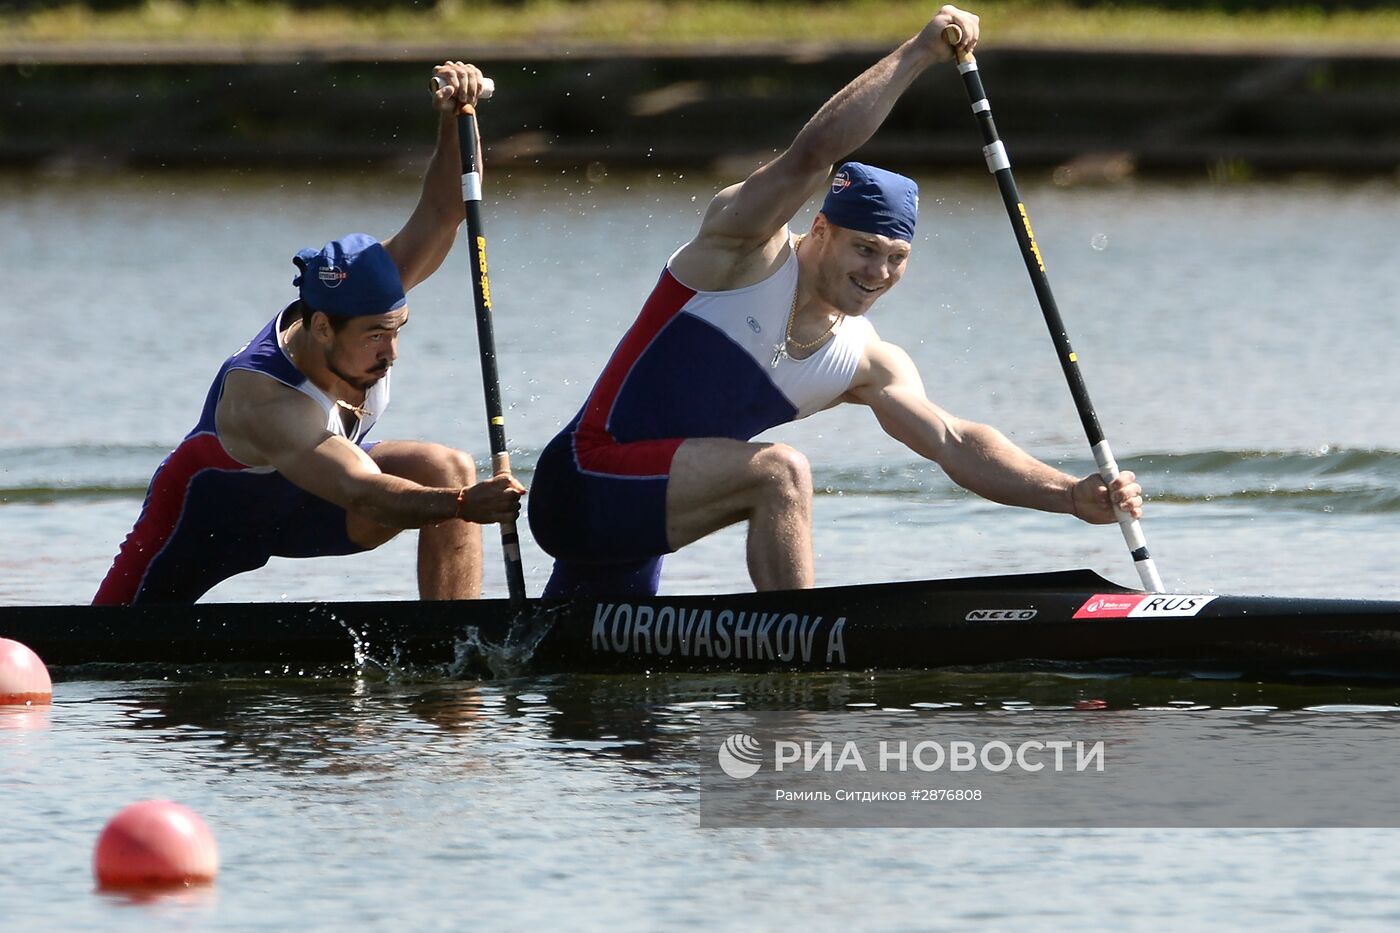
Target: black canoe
x=1071 y=621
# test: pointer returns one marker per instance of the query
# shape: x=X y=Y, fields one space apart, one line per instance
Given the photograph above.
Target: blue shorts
x=577 y=580
x=606 y=530
x=207 y=518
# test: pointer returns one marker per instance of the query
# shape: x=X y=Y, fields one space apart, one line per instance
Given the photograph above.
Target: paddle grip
x=952 y=34
x=488 y=86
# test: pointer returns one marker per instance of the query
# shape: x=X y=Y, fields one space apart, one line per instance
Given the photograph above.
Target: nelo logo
x=740 y=756
x=332 y=276
x=840 y=183
x=1001 y=615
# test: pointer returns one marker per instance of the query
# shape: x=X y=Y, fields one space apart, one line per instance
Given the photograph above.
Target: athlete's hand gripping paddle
x=485 y=331
x=1000 y=166
x=488 y=87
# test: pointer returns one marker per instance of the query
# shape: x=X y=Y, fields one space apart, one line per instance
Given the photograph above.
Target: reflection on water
x=167 y=901
x=23 y=718
x=349 y=799
x=336 y=726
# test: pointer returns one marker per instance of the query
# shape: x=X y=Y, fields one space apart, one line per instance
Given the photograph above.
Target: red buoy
x=155 y=843
x=23 y=677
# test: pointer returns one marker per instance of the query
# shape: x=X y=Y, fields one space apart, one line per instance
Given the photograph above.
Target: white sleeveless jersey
x=756 y=319
x=700 y=364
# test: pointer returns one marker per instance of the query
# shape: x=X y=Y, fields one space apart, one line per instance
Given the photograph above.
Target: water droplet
x=1099 y=241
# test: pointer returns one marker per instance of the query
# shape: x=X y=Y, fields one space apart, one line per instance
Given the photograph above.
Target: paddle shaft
x=1000 y=166
x=486 y=337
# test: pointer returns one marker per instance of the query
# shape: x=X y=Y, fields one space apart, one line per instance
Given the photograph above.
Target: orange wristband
x=461 y=498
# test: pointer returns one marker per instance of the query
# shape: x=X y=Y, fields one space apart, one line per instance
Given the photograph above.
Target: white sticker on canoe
x=1139 y=606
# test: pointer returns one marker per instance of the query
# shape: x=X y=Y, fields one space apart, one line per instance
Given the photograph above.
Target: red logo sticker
x=1108 y=606
x=1142 y=605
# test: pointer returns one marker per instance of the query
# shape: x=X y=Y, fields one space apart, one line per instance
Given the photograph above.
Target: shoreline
x=1090 y=115
x=118 y=52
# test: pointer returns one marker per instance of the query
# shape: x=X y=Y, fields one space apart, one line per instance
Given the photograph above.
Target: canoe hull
x=1073 y=620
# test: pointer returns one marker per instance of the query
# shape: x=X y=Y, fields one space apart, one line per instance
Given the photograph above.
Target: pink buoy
x=23 y=677
x=155 y=843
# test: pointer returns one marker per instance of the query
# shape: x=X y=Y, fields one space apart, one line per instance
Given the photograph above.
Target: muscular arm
x=264 y=423
x=976 y=456
x=424 y=241
x=745 y=226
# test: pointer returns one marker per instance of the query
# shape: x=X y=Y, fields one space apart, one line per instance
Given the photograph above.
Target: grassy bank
x=542 y=24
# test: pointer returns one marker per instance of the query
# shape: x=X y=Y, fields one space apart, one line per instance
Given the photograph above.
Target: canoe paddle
x=485 y=331
x=1000 y=166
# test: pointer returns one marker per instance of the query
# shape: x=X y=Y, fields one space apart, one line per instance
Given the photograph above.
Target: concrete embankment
x=1095 y=113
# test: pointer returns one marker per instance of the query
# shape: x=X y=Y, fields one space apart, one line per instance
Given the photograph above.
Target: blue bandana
x=350 y=277
x=872 y=200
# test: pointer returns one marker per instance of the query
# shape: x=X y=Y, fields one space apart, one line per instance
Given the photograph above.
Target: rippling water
x=1238 y=342
x=572 y=801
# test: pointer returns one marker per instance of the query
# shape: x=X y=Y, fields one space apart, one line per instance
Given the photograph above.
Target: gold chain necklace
x=352 y=408
x=781 y=350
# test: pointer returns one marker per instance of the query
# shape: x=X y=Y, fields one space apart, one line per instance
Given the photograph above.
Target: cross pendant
x=779 y=352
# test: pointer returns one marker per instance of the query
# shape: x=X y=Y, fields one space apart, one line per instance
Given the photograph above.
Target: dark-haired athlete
x=749 y=328
x=278 y=464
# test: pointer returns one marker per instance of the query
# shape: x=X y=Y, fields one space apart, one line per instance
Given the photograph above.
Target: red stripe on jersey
x=595 y=449
x=638 y=459
x=165 y=503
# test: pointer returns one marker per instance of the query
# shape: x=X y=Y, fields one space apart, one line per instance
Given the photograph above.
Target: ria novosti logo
x=740 y=756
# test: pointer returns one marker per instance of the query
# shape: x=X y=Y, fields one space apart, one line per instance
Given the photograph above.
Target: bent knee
x=431 y=465
x=786 y=469
x=456 y=467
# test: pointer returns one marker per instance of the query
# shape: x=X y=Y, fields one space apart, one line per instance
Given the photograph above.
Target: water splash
x=511 y=656
x=361 y=659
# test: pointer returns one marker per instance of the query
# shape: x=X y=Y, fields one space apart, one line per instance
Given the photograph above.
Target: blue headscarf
x=873 y=200
x=350 y=277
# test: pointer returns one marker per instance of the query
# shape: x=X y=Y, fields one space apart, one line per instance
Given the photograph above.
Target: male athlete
x=278 y=464
x=748 y=328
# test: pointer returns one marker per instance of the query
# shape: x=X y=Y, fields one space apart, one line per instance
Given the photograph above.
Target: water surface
x=1238 y=342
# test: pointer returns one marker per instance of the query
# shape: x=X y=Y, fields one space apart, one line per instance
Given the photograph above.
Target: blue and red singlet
x=207 y=516
x=694 y=364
